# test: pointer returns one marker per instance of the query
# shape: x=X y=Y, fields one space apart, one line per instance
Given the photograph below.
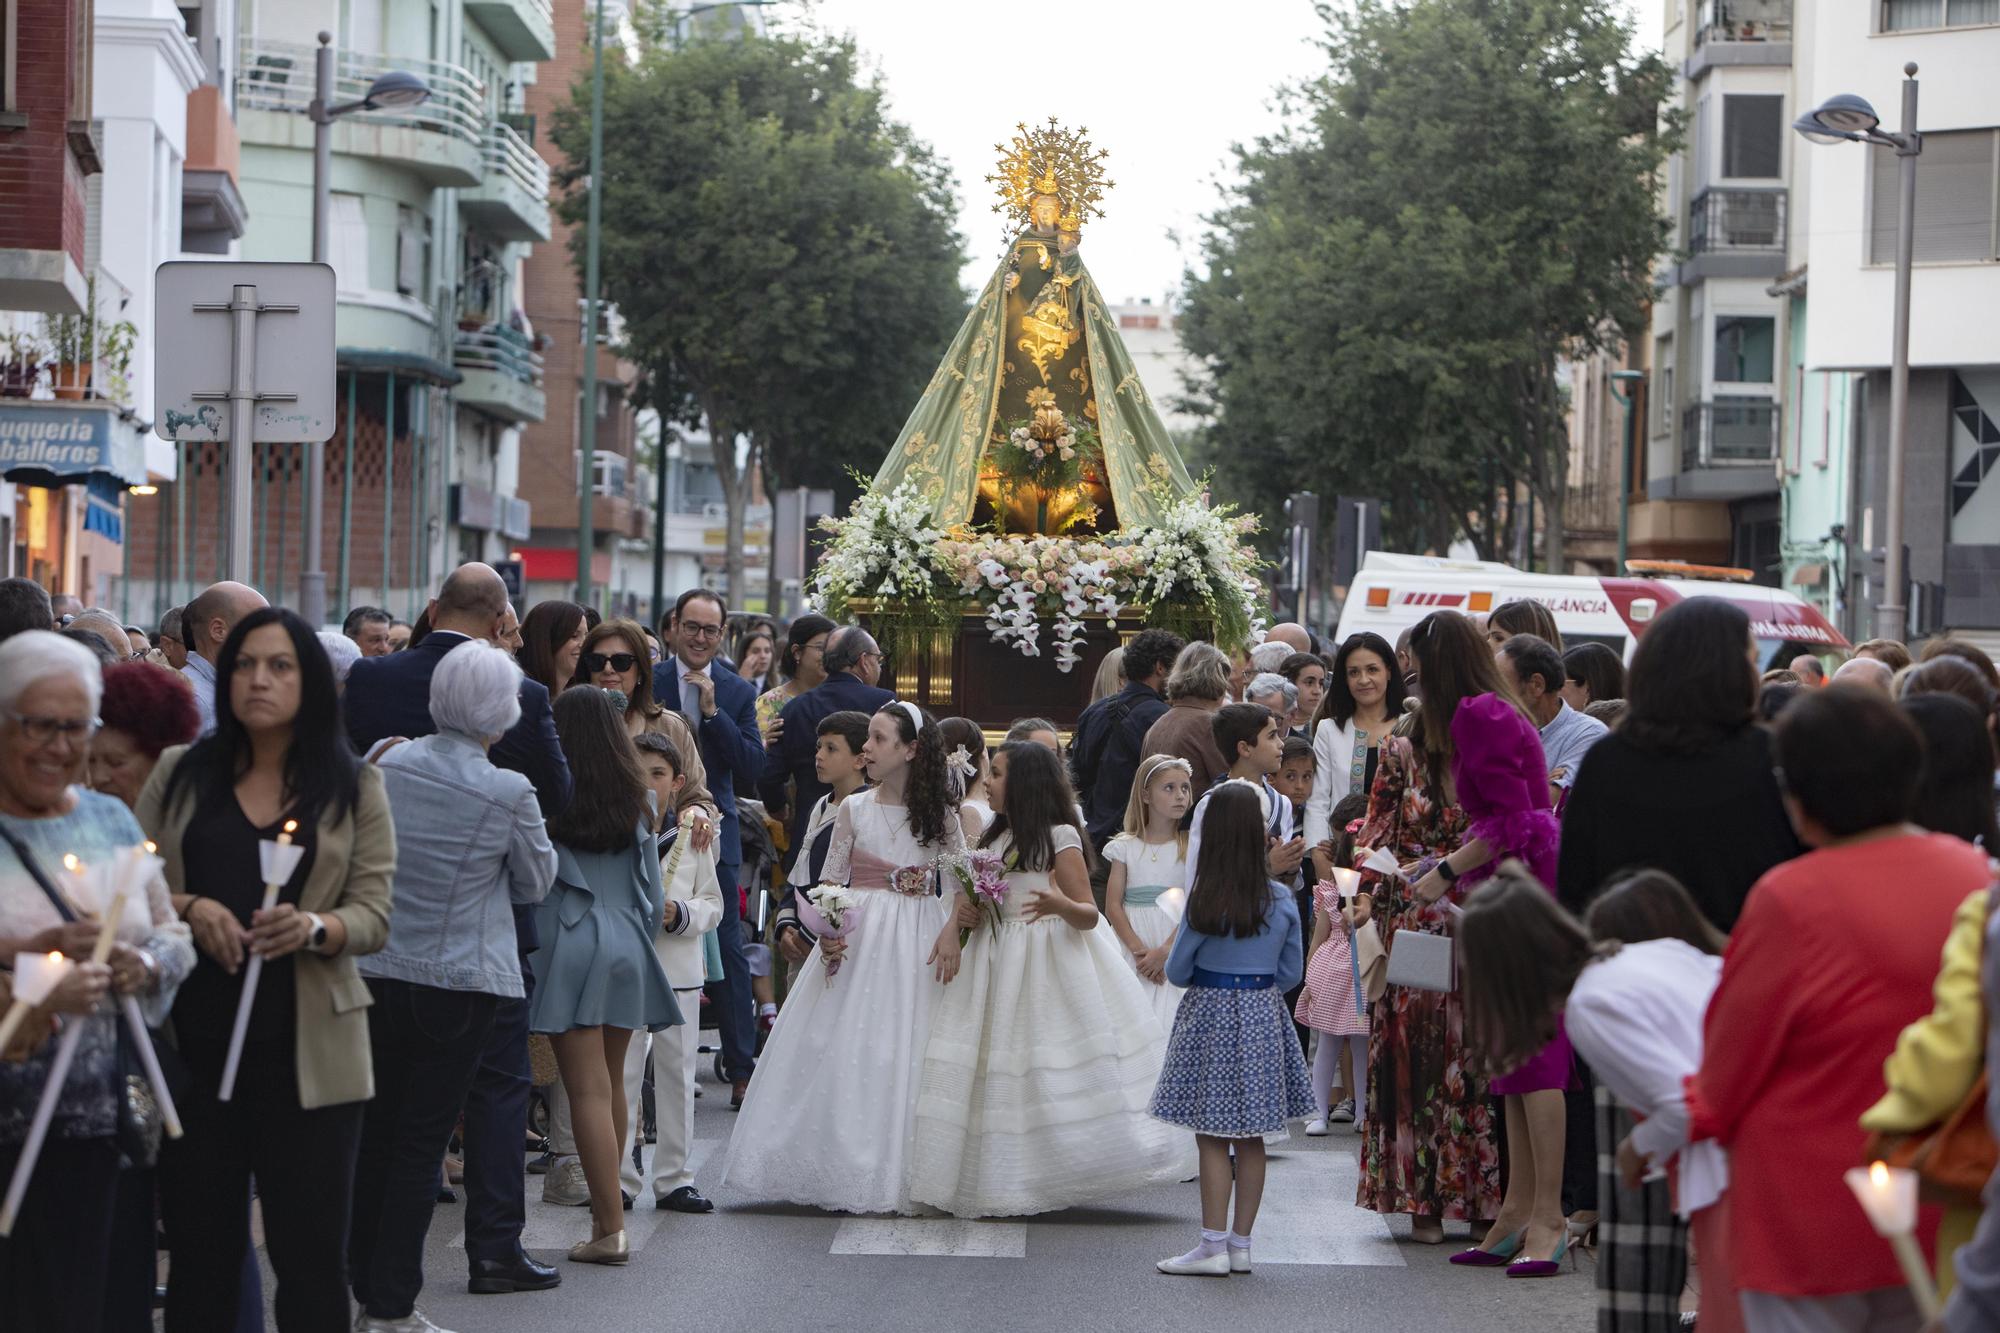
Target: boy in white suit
x=694 y=906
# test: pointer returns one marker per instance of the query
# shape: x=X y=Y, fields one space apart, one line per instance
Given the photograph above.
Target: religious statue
x=1035 y=421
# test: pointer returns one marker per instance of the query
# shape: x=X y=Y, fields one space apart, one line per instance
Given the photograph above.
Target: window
x=1663 y=361
x=1744 y=345
x=413 y=243
x=1955 y=198
x=349 y=247
x=1753 y=136
x=1905 y=15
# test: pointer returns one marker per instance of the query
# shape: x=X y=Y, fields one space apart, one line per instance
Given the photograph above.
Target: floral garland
x=1192 y=570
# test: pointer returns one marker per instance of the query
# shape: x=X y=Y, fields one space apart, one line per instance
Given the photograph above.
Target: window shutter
x=1955 y=199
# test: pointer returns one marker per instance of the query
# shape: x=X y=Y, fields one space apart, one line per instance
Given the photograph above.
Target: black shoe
x=686 y=1199
x=497 y=1277
x=539 y=1166
x=629 y=1200
x=446 y=1194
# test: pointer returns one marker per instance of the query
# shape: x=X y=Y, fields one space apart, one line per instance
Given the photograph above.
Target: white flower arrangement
x=1193 y=566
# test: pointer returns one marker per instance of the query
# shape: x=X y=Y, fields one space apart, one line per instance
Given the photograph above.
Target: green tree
x=1466 y=196
x=782 y=253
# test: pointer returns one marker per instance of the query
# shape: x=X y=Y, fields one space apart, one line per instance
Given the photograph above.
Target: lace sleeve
x=839 y=851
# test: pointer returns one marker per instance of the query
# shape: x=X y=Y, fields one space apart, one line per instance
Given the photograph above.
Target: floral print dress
x=1428 y=1147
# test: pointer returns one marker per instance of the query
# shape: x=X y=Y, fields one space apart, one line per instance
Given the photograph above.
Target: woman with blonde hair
x=1110 y=675
x=1146 y=891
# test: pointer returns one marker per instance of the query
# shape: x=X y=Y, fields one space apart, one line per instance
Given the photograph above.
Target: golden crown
x=1051 y=161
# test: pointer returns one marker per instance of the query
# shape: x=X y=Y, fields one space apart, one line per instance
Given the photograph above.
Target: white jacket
x=1333 y=758
x=691 y=885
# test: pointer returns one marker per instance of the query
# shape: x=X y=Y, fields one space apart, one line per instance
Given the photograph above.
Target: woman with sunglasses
x=614 y=657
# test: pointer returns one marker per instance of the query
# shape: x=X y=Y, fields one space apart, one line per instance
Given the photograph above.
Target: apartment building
x=434 y=209
x=1717 y=393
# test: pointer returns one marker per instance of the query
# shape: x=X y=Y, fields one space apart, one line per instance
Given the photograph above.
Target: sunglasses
x=596 y=662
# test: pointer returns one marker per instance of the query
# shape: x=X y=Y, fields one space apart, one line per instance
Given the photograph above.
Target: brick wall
x=41 y=184
x=278 y=515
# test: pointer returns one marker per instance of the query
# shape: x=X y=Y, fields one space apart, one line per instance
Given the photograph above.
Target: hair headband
x=916 y=716
x=1168 y=761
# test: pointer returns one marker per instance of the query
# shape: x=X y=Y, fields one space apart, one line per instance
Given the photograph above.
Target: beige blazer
x=353 y=866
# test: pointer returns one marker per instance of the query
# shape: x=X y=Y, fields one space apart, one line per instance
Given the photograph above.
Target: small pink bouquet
x=983 y=876
x=831 y=912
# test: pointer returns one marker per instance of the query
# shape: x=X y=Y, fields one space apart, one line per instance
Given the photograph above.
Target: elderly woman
x=471 y=845
x=277 y=763
x=1196 y=688
x=614 y=658
x=1275 y=693
x=58 y=1265
x=145 y=710
x=341 y=654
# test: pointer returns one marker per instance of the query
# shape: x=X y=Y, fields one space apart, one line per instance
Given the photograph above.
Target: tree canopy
x=783 y=255
x=1466 y=196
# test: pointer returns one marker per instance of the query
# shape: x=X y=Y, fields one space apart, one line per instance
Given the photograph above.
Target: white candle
x=38 y=1129
x=278 y=860
x=1889 y=1196
x=36 y=975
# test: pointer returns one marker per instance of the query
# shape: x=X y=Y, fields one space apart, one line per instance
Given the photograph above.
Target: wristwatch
x=317 y=940
x=1450 y=875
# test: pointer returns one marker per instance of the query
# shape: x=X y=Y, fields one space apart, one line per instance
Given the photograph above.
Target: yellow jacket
x=1939 y=1057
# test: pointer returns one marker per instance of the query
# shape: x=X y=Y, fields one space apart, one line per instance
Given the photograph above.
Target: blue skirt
x=1233 y=1068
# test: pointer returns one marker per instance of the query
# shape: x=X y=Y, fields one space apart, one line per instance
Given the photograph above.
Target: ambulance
x=1394 y=592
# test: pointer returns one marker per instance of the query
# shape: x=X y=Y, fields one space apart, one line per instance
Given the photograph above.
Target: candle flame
x=152 y=848
x=1878 y=1175
x=291 y=826
x=55 y=957
x=70 y=863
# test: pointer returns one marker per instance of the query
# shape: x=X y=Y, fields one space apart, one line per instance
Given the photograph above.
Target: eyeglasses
x=596 y=662
x=694 y=629
x=42 y=730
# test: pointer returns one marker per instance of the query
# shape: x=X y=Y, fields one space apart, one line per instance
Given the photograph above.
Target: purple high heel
x=1548 y=1267
x=1497 y=1257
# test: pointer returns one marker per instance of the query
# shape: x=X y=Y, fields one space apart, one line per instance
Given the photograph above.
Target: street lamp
x=391 y=89
x=1625 y=397
x=1847 y=118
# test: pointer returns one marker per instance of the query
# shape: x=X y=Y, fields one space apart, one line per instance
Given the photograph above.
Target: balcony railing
x=1744 y=21
x=1729 y=432
x=1737 y=222
x=500 y=350
x=278 y=76
x=511 y=156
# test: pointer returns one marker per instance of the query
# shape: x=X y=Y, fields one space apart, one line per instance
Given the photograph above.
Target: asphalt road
x=1321 y=1264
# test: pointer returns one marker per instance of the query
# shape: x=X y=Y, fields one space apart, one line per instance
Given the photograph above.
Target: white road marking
x=1308 y=1215
x=936 y=1237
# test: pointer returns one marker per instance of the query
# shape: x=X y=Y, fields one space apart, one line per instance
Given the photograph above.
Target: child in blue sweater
x=1233 y=1072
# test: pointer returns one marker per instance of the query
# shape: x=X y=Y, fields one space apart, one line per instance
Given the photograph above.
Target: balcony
x=1729 y=449
x=512 y=202
x=522 y=29
x=1734 y=233
x=1741 y=32
x=212 y=210
x=503 y=375
x=442 y=140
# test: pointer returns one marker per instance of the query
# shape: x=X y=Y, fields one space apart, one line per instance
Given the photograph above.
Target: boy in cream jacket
x=693 y=907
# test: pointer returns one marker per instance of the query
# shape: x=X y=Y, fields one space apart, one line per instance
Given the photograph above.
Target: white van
x=1394 y=592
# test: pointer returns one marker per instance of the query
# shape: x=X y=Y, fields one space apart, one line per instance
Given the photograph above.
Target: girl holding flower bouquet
x=1147 y=888
x=1035 y=1083
x=827 y=1119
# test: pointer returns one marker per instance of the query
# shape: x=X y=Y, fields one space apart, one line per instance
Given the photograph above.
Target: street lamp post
x=1843 y=118
x=394 y=88
x=1625 y=397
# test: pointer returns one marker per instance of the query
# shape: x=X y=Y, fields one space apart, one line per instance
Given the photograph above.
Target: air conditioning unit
x=608 y=472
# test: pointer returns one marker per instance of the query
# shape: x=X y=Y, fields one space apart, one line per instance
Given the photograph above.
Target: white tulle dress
x=1038 y=1077
x=1155 y=898
x=826 y=1121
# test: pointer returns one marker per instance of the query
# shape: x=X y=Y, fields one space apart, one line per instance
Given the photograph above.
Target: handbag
x=138 y=1126
x=1953 y=1159
x=1371 y=960
x=1423 y=961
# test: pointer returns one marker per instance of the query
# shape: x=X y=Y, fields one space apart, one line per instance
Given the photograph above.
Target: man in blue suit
x=390 y=696
x=721 y=707
x=853 y=663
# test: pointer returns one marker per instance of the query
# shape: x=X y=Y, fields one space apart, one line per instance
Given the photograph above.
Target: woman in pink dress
x=1501 y=781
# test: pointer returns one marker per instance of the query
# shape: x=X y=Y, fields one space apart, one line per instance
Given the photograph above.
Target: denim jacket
x=470 y=844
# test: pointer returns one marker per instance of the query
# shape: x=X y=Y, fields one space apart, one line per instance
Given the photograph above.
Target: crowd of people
x=1584 y=955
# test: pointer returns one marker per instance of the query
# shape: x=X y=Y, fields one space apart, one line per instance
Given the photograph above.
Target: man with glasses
x=853 y=663
x=721 y=708
x=173 y=642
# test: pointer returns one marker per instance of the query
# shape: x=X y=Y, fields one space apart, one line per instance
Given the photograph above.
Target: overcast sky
x=1166 y=85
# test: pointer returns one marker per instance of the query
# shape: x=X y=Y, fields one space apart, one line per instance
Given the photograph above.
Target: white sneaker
x=564 y=1184
x=1186 y=1265
x=1316 y=1129
x=414 y=1322
x=1239 y=1258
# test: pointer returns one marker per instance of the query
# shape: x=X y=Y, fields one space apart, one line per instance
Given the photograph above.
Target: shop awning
x=44 y=442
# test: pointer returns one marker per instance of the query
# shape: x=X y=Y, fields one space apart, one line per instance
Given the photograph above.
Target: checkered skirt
x=1233 y=1067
